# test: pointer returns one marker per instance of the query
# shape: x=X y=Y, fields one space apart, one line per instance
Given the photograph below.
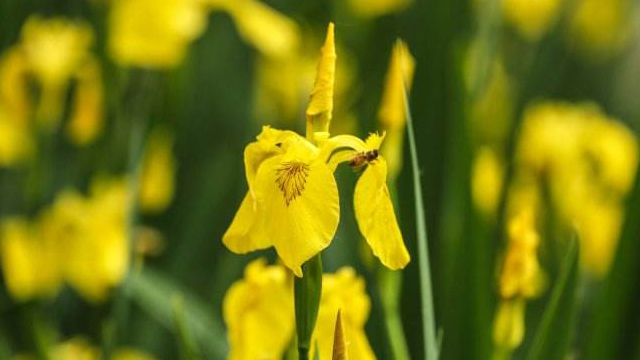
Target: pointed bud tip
x=339 y=341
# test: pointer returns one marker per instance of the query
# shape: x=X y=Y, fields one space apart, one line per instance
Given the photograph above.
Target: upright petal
x=320 y=107
x=243 y=234
x=300 y=198
x=376 y=217
x=269 y=142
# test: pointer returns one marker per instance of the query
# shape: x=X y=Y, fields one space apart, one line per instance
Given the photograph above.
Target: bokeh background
x=513 y=102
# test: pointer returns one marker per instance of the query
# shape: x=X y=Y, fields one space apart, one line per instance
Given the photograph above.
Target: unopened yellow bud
x=508 y=326
x=320 y=107
x=339 y=341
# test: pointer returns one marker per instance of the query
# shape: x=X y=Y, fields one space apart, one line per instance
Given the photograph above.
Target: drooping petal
x=300 y=199
x=243 y=234
x=376 y=217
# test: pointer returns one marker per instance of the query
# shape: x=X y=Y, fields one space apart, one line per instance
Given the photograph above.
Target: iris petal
x=301 y=202
x=244 y=233
x=376 y=218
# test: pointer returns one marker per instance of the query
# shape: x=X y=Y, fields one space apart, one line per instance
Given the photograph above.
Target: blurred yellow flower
x=154 y=33
x=271 y=32
x=521 y=276
x=374 y=8
x=16 y=143
x=392 y=108
x=158 y=170
x=508 y=327
x=82 y=240
x=29 y=262
x=532 y=18
x=86 y=120
x=14 y=91
x=588 y=161
x=54 y=49
x=486 y=180
x=75 y=349
x=601 y=27
x=96 y=229
x=344 y=292
x=520 y=279
x=261 y=300
x=52 y=53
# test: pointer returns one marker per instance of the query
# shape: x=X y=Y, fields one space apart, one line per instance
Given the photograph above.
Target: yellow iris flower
x=344 y=292
x=53 y=52
x=272 y=33
x=589 y=161
x=82 y=240
x=520 y=279
x=29 y=262
x=154 y=33
x=262 y=300
x=292 y=203
x=532 y=18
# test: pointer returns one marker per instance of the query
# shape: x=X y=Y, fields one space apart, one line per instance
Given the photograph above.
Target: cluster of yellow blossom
x=520 y=279
x=598 y=27
x=156 y=34
x=588 y=161
x=292 y=187
x=601 y=27
x=51 y=53
x=264 y=299
x=79 y=349
x=80 y=240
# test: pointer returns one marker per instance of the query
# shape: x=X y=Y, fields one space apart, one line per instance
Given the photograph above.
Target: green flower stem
x=389 y=287
x=306 y=292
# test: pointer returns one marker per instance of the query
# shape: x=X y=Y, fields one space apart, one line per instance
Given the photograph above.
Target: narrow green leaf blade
x=153 y=293
x=426 y=292
x=553 y=336
x=188 y=348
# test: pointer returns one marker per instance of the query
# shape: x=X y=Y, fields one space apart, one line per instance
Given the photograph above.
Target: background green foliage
x=207 y=102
